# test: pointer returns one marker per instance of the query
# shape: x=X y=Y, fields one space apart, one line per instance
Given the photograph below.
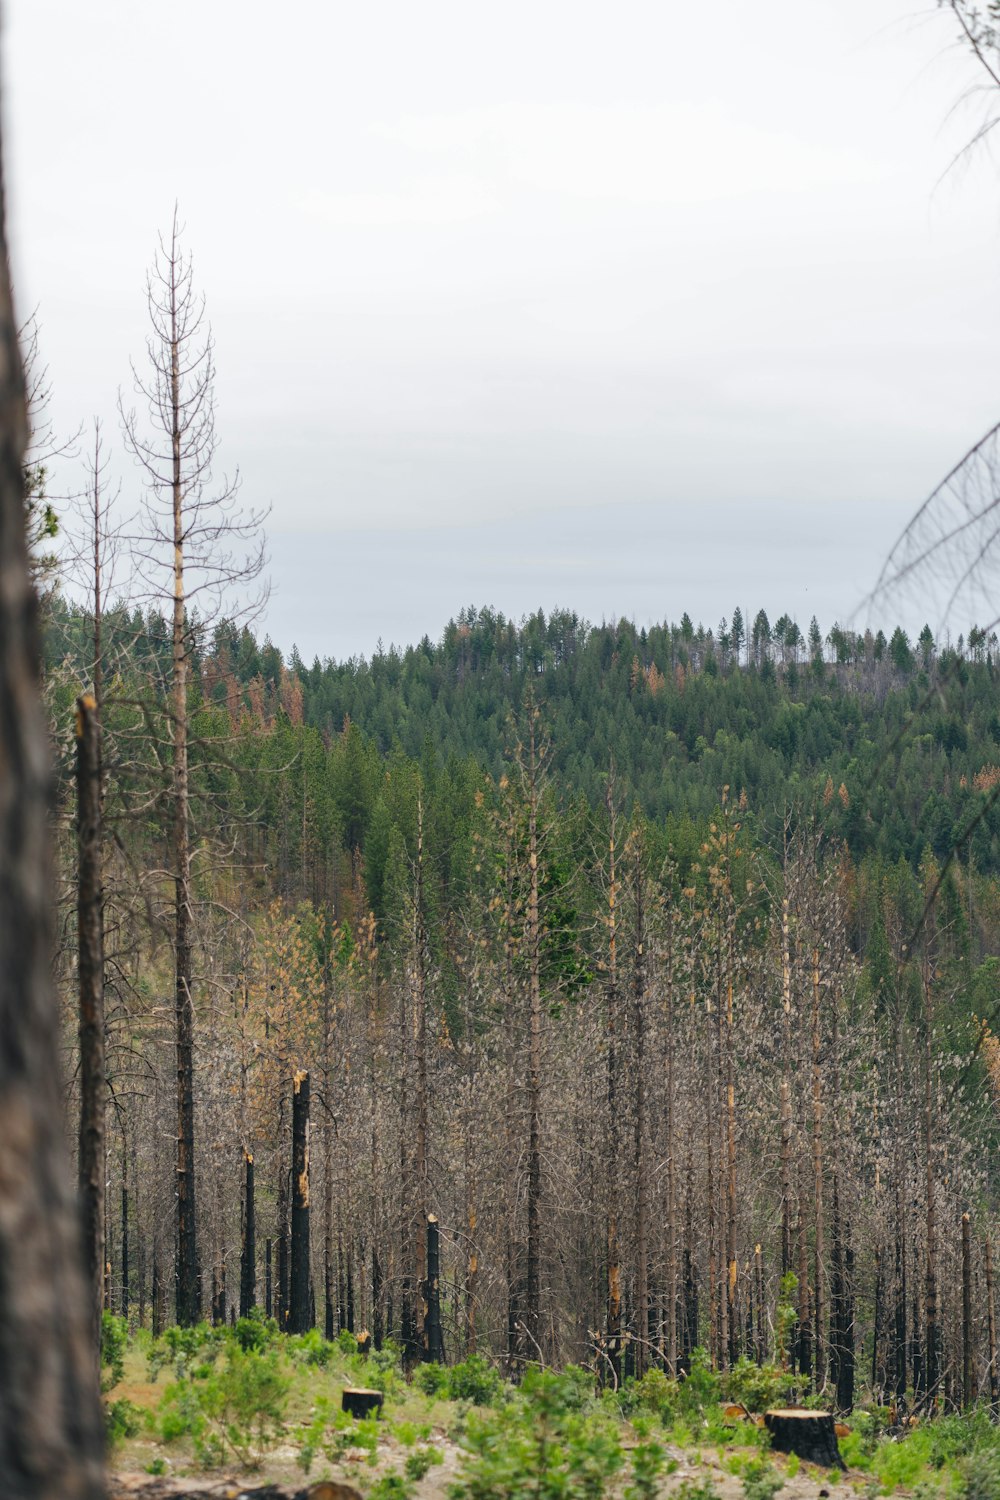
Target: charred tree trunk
x=968 y=1365
x=533 y=1265
x=433 y=1336
x=613 y=1329
x=126 y=1269
x=90 y=962
x=51 y=1426
x=991 y=1313
x=268 y=1293
x=819 y=1248
x=420 y=1206
x=298 y=1309
x=248 y=1256
x=642 y=1305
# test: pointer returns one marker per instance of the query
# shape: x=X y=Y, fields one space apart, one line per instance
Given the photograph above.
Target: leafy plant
x=114 y=1341
x=256 y=1332
x=540 y=1443
x=239 y=1409
x=648 y=1459
x=421 y=1461
x=122 y=1419
x=761 y=1480
x=980 y=1478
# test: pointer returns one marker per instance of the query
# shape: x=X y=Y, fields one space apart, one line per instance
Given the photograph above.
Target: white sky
x=635 y=309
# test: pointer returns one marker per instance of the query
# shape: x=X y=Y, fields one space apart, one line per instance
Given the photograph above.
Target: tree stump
x=360 y=1403
x=810 y=1434
x=364 y=1342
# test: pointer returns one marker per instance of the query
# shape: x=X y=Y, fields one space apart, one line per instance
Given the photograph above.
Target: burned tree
x=195 y=549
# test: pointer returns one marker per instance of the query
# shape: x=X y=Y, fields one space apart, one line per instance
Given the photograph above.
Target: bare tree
x=195 y=550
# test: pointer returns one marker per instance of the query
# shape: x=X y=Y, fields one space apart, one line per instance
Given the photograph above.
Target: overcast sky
x=634 y=308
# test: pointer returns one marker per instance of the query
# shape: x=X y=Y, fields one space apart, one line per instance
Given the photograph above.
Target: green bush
x=346 y=1342
x=114 y=1341
x=758 y=1386
x=473 y=1380
x=311 y=1348
x=540 y=1443
x=980 y=1476
x=761 y=1480
x=421 y=1461
x=648 y=1460
x=237 y=1410
x=256 y=1332
x=431 y=1379
x=700 y=1388
x=122 y=1419
x=653 y=1393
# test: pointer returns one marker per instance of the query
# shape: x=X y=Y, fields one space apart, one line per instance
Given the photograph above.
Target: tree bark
x=51 y=1427
x=248 y=1257
x=299 y=1311
x=433 y=1336
x=90 y=962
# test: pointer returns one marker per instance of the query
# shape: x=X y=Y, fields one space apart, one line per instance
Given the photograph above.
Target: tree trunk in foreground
x=51 y=1430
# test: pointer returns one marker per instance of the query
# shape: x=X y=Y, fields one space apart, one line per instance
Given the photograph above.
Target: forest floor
x=195 y=1414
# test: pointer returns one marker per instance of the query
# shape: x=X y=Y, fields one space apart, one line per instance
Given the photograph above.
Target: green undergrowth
x=250 y=1398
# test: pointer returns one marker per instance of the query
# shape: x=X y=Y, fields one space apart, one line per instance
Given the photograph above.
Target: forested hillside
x=661 y=978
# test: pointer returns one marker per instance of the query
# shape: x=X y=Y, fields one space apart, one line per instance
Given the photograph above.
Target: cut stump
x=810 y=1434
x=361 y=1403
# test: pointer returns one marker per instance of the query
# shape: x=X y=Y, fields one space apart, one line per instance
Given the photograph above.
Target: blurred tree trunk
x=51 y=1431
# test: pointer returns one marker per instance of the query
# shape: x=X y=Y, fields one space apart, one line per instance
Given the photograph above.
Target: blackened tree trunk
x=248 y=1254
x=433 y=1336
x=268 y=1294
x=90 y=963
x=51 y=1428
x=533 y=1259
x=126 y=1267
x=968 y=1366
x=991 y=1312
x=298 y=1310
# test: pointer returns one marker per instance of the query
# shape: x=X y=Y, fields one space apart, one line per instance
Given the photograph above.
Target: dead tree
x=248 y=1254
x=299 y=1317
x=195 y=550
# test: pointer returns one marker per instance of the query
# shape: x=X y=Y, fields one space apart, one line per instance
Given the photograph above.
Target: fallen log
x=810 y=1434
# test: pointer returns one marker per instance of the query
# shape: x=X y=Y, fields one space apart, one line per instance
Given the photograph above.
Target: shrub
x=540 y=1443
x=654 y=1394
x=431 y=1379
x=114 y=1341
x=419 y=1462
x=648 y=1459
x=256 y=1332
x=980 y=1476
x=311 y=1348
x=122 y=1419
x=761 y=1480
x=238 y=1409
x=701 y=1387
x=758 y=1386
x=473 y=1380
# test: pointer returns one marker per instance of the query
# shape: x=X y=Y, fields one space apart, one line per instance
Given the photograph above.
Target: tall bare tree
x=195 y=550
